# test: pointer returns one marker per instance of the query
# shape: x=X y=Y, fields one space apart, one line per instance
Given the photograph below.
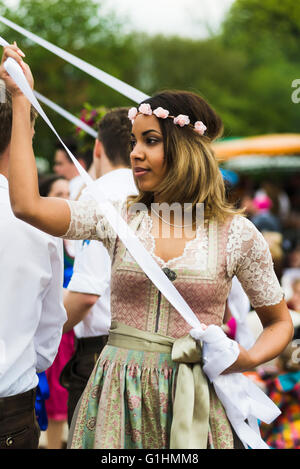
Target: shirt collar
x=3 y=181
x=115 y=173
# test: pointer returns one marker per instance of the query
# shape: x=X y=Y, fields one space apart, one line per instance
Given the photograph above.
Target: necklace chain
x=170 y=224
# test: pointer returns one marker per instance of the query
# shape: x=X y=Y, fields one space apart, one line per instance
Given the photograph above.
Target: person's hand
x=16 y=53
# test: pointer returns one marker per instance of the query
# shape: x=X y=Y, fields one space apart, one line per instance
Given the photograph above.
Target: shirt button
x=9 y=441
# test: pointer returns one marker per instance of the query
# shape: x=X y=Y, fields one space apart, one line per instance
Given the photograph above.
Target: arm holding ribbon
x=51 y=215
x=277 y=332
x=250 y=260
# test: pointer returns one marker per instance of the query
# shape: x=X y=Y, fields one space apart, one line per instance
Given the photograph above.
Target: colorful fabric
x=42 y=394
x=191 y=403
x=284 y=432
x=68 y=266
x=128 y=404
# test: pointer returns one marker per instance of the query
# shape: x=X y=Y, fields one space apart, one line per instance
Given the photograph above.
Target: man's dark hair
x=6 y=117
x=73 y=146
x=71 y=143
x=114 y=134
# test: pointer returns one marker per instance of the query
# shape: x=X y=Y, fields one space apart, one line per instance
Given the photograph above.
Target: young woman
x=128 y=402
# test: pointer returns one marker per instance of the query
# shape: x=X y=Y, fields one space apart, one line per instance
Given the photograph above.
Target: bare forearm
x=277 y=333
x=23 y=178
x=49 y=214
x=77 y=305
x=271 y=342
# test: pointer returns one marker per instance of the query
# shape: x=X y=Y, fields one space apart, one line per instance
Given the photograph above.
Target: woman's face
x=147 y=154
x=60 y=188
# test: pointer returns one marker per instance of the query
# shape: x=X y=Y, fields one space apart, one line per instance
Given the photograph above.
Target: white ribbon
x=247 y=396
x=241 y=398
x=114 y=83
x=67 y=115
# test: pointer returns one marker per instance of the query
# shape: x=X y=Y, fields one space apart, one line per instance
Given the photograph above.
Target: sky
x=186 y=18
x=189 y=18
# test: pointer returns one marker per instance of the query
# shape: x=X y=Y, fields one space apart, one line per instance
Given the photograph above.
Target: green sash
x=191 y=405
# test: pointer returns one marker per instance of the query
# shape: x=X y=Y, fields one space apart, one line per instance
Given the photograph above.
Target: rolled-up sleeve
x=91 y=272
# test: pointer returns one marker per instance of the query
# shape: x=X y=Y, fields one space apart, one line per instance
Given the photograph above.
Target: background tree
x=80 y=27
x=245 y=70
x=267 y=33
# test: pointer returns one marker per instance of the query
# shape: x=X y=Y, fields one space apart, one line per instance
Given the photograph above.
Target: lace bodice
x=203 y=272
x=195 y=249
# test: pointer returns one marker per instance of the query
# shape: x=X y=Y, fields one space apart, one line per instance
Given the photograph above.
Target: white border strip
x=114 y=83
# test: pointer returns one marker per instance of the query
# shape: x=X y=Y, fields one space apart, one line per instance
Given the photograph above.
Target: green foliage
x=92 y=117
x=79 y=27
x=267 y=33
x=245 y=71
x=265 y=30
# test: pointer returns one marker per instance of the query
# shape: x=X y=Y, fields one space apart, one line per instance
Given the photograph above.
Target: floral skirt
x=127 y=404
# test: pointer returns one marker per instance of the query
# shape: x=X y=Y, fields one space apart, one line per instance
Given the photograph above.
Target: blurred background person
x=281 y=205
x=294 y=302
x=262 y=217
x=64 y=166
x=291 y=272
x=284 y=390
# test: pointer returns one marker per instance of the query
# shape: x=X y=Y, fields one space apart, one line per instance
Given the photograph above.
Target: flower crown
x=161 y=113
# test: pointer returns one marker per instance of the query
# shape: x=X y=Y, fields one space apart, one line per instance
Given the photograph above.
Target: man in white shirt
x=88 y=298
x=31 y=307
x=64 y=166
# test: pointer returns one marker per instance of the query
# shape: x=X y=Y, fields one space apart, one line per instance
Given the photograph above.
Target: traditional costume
x=129 y=399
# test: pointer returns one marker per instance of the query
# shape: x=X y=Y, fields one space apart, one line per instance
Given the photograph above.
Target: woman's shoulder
x=240 y=223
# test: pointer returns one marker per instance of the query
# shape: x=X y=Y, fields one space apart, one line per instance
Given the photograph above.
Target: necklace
x=170 y=224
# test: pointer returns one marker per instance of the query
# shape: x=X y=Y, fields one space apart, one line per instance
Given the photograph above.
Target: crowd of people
x=103 y=334
x=273 y=207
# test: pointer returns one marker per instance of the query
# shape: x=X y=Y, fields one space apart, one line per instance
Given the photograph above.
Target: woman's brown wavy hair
x=193 y=175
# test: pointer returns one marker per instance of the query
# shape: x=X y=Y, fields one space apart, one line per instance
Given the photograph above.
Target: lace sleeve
x=87 y=222
x=249 y=258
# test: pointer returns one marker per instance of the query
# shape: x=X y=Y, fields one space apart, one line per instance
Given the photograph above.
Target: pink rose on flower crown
x=161 y=113
x=200 y=127
x=182 y=120
x=132 y=113
x=145 y=109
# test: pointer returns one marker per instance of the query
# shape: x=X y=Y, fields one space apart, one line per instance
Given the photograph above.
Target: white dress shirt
x=31 y=306
x=75 y=186
x=92 y=265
